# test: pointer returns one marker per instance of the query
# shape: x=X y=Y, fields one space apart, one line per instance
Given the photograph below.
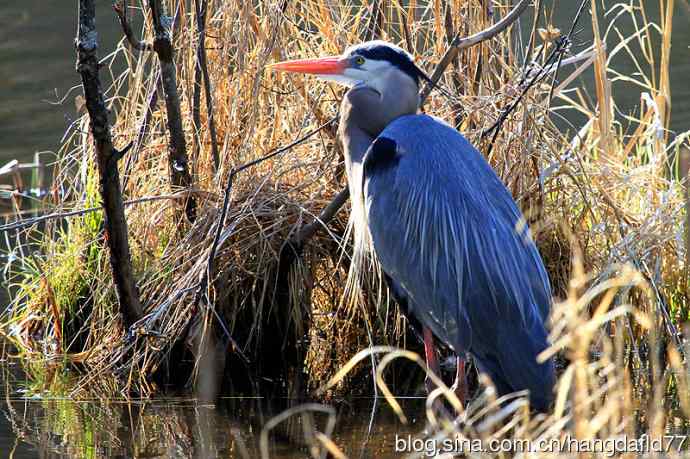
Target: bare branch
x=459 y=43
x=177 y=156
x=17 y=225
x=120 y=8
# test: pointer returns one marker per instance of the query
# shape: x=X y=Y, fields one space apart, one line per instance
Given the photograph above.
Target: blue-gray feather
x=448 y=234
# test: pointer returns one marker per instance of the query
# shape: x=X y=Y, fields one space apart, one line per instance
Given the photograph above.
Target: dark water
x=37 y=70
x=36 y=73
x=35 y=423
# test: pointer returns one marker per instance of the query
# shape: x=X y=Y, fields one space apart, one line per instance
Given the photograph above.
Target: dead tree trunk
x=177 y=157
x=107 y=157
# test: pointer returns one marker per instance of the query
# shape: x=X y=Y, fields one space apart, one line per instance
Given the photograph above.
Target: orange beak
x=332 y=65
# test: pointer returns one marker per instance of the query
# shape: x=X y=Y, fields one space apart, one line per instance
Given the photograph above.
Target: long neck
x=365 y=112
x=355 y=141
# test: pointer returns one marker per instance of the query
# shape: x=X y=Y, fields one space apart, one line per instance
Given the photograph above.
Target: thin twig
x=78 y=212
x=586 y=55
x=143 y=129
x=526 y=86
x=560 y=57
x=375 y=24
x=562 y=46
x=532 y=36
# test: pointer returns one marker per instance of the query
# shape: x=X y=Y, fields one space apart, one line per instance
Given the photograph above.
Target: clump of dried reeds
x=599 y=185
x=612 y=398
x=611 y=233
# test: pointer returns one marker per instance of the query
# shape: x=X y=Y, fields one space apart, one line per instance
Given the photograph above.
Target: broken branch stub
x=120 y=7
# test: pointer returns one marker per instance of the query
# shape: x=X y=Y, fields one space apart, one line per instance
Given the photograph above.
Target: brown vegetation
x=601 y=194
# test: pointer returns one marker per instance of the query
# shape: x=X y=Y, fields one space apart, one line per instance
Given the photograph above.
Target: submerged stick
x=106 y=158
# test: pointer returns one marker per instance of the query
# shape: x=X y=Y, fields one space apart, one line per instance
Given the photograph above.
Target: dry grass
x=602 y=194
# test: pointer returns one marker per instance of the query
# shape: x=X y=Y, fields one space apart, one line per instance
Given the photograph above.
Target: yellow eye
x=359 y=60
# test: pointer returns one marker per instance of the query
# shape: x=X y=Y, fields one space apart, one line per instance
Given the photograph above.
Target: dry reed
x=601 y=194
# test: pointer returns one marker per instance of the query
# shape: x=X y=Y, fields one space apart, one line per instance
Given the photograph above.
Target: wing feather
x=447 y=231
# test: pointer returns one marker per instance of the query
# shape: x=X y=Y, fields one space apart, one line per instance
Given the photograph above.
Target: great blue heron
x=455 y=249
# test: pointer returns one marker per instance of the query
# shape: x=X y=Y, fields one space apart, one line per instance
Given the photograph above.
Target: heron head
x=374 y=63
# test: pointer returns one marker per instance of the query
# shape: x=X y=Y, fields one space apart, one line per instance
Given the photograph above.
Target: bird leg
x=431 y=359
x=460 y=385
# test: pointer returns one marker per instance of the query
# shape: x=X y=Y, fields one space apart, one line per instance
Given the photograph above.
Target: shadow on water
x=37 y=423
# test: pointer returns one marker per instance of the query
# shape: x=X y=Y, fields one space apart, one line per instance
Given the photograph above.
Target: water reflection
x=61 y=427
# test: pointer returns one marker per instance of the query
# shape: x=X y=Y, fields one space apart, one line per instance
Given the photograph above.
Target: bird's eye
x=359 y=60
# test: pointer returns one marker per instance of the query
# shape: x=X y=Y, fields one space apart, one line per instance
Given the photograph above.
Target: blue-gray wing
x=449 y=235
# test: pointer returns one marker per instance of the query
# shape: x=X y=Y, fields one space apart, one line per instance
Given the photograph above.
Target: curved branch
x=324 y=217
x=459 y=43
